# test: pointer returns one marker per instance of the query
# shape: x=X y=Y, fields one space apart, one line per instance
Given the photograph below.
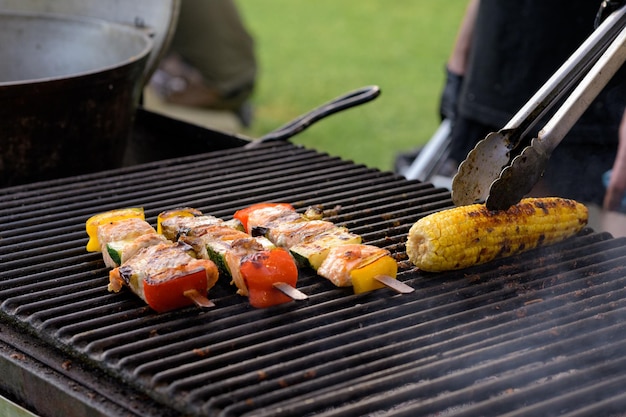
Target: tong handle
x=490 y=173
x=518 y=179
x=606 y=8
x=596 y=79
x=565 y=78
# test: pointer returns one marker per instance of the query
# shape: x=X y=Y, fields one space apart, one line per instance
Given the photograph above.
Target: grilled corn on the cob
x=470 y=235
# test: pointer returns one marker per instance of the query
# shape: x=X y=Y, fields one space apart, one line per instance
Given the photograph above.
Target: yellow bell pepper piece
x=363 y=278
x=92 y=224
x=178 y=212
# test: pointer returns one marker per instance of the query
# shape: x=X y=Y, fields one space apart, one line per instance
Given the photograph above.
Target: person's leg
x=211 y=37
x=211 y=61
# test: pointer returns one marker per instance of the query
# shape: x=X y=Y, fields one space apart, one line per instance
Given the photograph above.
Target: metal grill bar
x=532 y=334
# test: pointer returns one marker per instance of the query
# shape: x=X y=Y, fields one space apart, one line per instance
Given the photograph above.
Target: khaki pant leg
x=211 y=36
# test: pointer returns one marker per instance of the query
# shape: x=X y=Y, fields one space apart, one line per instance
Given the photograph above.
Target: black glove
x=606 y=8
x=450 y=95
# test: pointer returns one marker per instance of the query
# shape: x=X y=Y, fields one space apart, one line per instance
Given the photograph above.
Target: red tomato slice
x=169 y=295
x=262 y=270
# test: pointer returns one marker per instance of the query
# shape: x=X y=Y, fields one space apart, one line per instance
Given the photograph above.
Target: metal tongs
x=491 y=173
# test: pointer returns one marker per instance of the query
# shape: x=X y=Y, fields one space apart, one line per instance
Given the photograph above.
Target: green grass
x=310 y=52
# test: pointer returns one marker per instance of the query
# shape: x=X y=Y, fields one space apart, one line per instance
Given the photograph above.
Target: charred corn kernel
x=470 y=235
x=92 y=224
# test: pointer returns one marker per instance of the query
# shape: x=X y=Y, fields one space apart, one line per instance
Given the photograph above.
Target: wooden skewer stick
x=290 y=291
x=199 y=299
x=394 y=284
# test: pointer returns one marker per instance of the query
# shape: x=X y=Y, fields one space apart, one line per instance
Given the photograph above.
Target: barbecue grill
x=542 y=333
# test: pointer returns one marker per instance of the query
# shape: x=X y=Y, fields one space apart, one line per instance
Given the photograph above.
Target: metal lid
x=157 y=18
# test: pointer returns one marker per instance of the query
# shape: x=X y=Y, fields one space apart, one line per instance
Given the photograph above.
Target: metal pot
x=69 y=87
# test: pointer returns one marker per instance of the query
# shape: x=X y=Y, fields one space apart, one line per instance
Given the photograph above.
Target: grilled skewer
x=165 y=275
x=335 y=253
x=264 y=273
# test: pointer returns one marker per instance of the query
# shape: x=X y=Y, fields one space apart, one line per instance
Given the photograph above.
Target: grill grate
x=538 y=334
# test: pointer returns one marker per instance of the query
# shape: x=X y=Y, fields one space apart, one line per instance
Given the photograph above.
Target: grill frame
x=55 y=292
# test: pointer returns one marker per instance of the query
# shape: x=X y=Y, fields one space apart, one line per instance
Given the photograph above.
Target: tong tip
x=480 y=169
x=518 y=179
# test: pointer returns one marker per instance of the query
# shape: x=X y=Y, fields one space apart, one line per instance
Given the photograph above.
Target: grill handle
x=351 y=99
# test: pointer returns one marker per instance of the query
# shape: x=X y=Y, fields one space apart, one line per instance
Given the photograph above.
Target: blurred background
x=311 y=52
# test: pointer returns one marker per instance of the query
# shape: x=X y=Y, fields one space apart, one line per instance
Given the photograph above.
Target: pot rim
x=94 y=22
